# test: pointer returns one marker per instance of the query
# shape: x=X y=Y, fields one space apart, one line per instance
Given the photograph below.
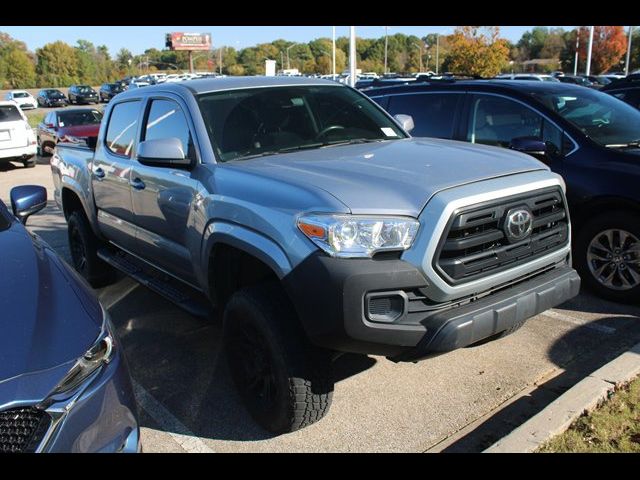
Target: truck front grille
x=476 y=244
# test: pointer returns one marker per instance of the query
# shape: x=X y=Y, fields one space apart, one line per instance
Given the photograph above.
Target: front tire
x=286 y=383
x=84 y=245
x=607 y=256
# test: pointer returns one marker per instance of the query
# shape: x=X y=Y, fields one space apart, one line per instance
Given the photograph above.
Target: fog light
x=386 y=307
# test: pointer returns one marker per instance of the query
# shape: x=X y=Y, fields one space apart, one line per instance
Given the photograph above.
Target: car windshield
x=54 y=94
x=20 y=94
x=84 y=89
x=605 y=119
x=79 y=117
x=9 y=113
x=265 y=121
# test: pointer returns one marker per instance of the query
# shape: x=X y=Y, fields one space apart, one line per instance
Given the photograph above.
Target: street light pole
x=352 y=57
x=288 y=62
x=590 y=48
x=575 y=65
x=437 y=52
x=420 y=58
x=385 y=49
x=626 y=65
x=333 y=52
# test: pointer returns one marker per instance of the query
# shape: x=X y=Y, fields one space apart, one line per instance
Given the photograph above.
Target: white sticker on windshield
x=298 y=102
x=388 y=132
x=61 y=124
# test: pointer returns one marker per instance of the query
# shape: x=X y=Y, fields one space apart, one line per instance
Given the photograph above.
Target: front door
x=162 y=197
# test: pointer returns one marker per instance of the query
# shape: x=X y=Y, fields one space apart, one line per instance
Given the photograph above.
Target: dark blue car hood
x=48 y=316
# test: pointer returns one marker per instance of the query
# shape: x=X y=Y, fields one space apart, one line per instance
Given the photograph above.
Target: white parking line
x=577 y=321
x=168 y=422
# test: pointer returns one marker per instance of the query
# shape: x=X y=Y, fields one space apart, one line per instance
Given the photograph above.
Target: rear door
x=111 y=172
x=162 y=197
x=13 y=128
x=435 y=114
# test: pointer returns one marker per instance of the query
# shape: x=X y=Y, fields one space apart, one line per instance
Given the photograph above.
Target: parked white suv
x=17 y=139
x=22 y=98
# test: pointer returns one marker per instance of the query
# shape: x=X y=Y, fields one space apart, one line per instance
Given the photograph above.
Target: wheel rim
x=253 y=363
x=78 y=253
x=613 y=257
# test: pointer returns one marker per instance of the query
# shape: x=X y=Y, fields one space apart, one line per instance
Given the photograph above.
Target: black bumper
x=331 y=297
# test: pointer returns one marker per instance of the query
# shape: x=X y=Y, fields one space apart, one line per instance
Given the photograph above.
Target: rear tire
x=590 y=250
x=285 y=382
x=84 y=245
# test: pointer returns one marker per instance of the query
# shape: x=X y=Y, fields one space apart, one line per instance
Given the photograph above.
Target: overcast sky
x=137 y=39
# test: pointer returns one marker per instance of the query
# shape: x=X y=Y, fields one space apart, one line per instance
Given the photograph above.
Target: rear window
x=9 y=113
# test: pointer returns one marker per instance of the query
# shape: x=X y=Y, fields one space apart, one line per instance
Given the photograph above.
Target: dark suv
x=626 y=89
x=590 y=138
x=109 y=90
x=82 y=94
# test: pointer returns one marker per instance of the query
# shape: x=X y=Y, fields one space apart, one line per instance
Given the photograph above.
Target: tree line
x=470 y=50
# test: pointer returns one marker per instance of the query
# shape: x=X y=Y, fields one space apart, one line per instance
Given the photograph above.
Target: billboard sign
x=188 y=41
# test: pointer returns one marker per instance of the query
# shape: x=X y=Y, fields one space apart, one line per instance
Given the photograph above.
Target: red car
x=76 y=125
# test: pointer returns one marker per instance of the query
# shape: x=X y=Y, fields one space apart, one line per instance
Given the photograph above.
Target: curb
x=560 y=414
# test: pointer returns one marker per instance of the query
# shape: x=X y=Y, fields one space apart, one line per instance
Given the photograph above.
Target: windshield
x=80 y=117
x=20 y=94
x=85 y=89
x=54 y=94
x=9 y=113
x=264 y=121
x=605 y=119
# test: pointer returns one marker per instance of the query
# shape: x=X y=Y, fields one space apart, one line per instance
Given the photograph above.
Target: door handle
x=137 y=184
x=99 y=173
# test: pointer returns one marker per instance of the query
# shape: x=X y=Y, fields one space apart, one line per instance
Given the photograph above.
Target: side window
x=433 y=113
x=497 y=121
x=121 y=131
x=165 y=120
x=48 y=119
x=382 y=101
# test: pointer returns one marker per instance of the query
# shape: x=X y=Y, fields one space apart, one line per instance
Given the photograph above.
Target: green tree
x=19 y=71
x=57 y=65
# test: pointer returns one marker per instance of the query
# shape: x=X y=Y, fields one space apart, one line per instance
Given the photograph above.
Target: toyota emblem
x=519 y=224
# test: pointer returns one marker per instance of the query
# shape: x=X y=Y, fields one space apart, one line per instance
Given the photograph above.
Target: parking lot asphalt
x=461 y=401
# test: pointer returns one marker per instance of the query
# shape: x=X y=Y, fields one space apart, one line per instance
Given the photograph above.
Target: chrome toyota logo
x=519 y=224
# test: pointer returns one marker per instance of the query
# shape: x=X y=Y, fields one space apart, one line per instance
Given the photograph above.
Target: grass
x=34 y=118
x=614 y=427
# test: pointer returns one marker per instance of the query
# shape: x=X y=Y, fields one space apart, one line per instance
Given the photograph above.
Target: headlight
x=100 y=353
x=358 y=236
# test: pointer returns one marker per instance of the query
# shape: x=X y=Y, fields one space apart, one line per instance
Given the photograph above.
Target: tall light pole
x=288 y=62
x=626 y=65
x=220 y=61
x=281 y=60
x=333 y=53
x=386 y=31
x=437 y=52
x=575 y=64
x=420 y=58
x=352 y=57
x=588 y=69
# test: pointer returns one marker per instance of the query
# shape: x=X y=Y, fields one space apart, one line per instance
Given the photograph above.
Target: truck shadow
x=571 y=354
x=176 y=359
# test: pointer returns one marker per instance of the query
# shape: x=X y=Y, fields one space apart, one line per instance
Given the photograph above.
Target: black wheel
x=39 y=148
x=29 y=162
x=607 y=256
x=84 y=251
x=285 y=382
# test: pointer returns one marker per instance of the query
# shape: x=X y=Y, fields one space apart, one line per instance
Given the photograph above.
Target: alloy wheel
x=613 y=257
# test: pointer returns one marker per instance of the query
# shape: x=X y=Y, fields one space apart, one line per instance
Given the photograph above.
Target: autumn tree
x=57 y=65
x=609 y=47
x=477 y=51
x=19 y=71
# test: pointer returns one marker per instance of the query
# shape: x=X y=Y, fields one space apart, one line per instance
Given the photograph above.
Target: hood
x=80 y=130
x=48 y=317
x=393 y=177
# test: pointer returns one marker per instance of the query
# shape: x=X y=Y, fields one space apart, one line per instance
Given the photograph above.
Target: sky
x=138 y=39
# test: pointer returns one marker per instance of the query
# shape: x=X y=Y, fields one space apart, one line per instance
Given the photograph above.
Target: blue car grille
x=22 y=429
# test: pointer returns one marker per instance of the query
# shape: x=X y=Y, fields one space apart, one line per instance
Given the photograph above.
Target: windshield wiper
x=353 y=141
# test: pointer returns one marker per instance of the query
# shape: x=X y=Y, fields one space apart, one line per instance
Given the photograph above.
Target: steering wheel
x=326 y=130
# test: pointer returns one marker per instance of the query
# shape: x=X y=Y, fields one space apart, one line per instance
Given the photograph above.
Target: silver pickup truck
x=313 y=224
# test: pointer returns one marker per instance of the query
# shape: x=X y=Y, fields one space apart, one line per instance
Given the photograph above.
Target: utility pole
x=626 y=65
x=385 y=49
x=288 y=62
x=333 y=59
x=281 y=60
x=420 y=58
x=590 y=48
x=220 y=62
x=352 y=57
x=575 y=64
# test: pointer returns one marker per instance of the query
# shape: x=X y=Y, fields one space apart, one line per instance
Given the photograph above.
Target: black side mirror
x=27 y=200
x=530 y=145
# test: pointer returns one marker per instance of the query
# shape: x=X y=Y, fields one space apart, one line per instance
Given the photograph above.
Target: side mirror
x=530 y=145
x=27 y=200
x=49 y=125
x=163 y=152
x=405 y=121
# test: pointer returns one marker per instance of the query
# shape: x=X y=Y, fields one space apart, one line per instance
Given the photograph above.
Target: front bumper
x=331 y=297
